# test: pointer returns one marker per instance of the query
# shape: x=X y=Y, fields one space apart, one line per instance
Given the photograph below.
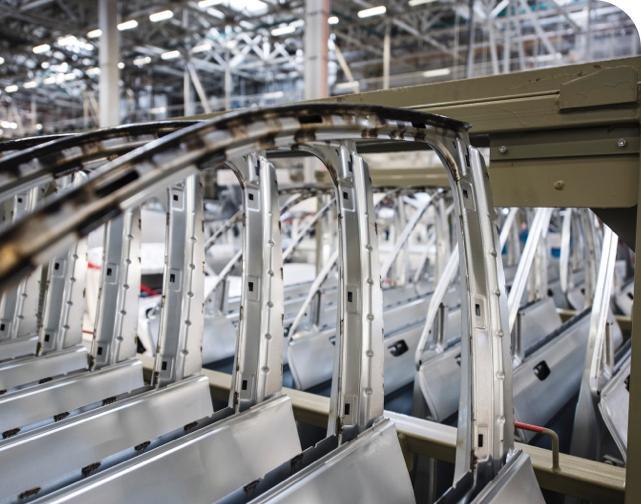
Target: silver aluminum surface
x=535 y=233
x=534 y=322
x=19 y=306
x=357 y=379
x=55 y=454
x=311 y=353
x=258 y=372
x=537 y=397
x=486 y=423
x=439 y=378
x=515 y=482
x=181 y=324
x=117 y=316
x=18 y=347
x=201 y=467
x=614 y=406
x=370 y=468
x=41 y=403
x=29 y=370
x=589 y=433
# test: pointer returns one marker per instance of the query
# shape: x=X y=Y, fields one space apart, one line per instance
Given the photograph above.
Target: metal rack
x=557 y=128
x=565 y=136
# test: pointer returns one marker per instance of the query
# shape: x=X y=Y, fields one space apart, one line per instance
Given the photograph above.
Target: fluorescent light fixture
x=437 y=72
x=1 y=60
x=67 y=40
x=170 y=55
x=332 y=20
x=273 y=95
x=52 y=79
x=250 y=7
x=246 y=24
x=127 y=25
x=415 y=3
x=40 y=49
x=11 y=88
x=158 y=110
x=8 y=125
x=94 y=33
x=542 y=58
x=156 y=17
x=216 y=13
x=346 y=86
x=142 y=60
x=93 y=71
x=283 y=30
x=203 y=47
x=69 y=76
x=203 y=4
x=372 y=11
x=30 y=84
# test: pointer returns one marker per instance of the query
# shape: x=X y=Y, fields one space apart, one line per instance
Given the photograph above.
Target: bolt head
x=621 y=142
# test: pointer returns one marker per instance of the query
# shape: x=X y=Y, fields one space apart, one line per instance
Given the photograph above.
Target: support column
x=188 y=92
x=387 y=50
x=632 y=483
x=316 y=56
x=109 y=57
x=469 y=70
x=228 y=83
x=316 y=50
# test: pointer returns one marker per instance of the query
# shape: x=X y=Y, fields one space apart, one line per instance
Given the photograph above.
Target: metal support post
x=109 y=56
x=181 y=324
x=117 y=316
x=258 y=370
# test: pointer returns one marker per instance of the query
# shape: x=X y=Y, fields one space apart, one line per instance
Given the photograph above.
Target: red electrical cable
x=529 y=427
x=143 y=288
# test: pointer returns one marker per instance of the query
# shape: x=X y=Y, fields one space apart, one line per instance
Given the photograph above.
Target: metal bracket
x=64 y=298
x=19 y=308
x=257 y=364
x=117 y=316
x=181 y=324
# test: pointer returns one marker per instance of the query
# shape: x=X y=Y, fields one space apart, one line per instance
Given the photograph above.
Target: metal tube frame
x=485 y=420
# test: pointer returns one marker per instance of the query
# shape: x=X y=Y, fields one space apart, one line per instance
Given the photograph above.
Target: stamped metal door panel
x=29 y=370
x=550 y=377
x=371 y=469
x=34 y=460
x=536 y=321
x=515 y=482
x=439 y=379
x=614 y=406
x=65 y=395
x=202 y=466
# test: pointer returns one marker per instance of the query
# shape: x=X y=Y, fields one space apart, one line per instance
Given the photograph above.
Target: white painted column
x=109 y=92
